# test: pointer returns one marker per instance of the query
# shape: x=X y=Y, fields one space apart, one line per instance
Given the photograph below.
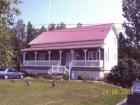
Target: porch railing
x=58 y=70
x=43 y=63
x=86 y=63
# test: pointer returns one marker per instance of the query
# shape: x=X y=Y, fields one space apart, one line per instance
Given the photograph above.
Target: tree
x=19 y=41
x=53 y=26
x=31 y=33
x=79 y=24
x=125 y=73
x=60 y=26
x=129 y=46
x=8 y=11
x=131 y=9
x=43 y=29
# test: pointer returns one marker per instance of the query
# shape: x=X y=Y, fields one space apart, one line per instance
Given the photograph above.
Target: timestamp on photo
x=113 y=91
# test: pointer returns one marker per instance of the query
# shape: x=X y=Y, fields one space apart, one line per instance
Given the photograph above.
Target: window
x=9 y=70
x=14 y=70
x=2 y=69
x=92 y=55
x=41 y=56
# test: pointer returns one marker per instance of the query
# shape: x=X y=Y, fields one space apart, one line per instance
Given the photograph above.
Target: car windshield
x=2 y=69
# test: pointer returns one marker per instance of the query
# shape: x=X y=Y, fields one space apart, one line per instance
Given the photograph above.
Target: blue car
x=10 y=73
x=134 y=98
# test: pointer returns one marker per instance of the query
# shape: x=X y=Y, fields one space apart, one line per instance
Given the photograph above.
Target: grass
x=66 y=93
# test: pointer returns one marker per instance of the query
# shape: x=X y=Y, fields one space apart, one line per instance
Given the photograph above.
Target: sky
x=71 y=11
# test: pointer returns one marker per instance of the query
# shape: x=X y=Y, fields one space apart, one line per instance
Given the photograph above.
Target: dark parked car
x=134 y=98
x=10 y=73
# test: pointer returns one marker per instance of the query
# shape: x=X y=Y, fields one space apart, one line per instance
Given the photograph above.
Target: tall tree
x=19 y=41
x=128 y=68
x=31 y=32
x=131 y=9
x=8 y=11
x=51 y=27
x=43 y=29
x=61 y=26
x=79 y=24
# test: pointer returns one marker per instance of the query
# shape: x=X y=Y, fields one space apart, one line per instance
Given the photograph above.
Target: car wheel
x=5 y=77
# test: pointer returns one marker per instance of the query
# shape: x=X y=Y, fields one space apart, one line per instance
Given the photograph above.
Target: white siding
x=110 y=50
x=92 y=75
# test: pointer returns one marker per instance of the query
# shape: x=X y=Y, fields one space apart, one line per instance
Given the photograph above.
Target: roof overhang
x=61 y=47
x=68 y=45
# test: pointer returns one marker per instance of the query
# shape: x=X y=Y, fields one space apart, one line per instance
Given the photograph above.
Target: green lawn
x=66 y=93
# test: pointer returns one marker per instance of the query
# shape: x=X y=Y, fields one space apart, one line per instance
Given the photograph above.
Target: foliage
x=6 y=51
x=129 y=46
x=132 y=14
x=79 y=24
x=60 y=26
x=30 y=32
x=33 y=32
x=19 y=41
x=85 y=77
x=125 y=73
x=66 y=77
x=8 y=11
x=132 y=29
x=52 y=27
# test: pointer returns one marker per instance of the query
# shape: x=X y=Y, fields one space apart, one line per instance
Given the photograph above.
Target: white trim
x=88 y=63
x=49 y=52
x=42 y=63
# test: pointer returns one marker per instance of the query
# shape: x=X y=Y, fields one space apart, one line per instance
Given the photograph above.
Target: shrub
x=66 y=77
x=41 y=75
x=79 y=77
x=125 y=73
x=85 y=77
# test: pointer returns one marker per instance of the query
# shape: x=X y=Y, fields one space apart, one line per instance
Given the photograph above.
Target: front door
x=68 y=58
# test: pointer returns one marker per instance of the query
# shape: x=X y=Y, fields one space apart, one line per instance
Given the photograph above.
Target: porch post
x=24 y=58
x=49 y=52
x=99 y=51
x=60 y=53
x=35 y=58
x=24 y=55
x=85 y=52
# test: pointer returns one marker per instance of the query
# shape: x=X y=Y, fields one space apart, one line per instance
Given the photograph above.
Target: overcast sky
x=72 y=11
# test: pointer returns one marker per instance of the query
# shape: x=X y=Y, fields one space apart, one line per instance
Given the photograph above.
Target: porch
x=69 y=58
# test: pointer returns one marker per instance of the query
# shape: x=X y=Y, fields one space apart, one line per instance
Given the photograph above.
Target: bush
x=57 y=77
x=66 y=77
x=79 y=78
x=85 y=77
x=125 y=73
x=41 y=75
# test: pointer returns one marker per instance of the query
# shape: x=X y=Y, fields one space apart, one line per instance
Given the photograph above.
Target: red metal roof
x=96 y=32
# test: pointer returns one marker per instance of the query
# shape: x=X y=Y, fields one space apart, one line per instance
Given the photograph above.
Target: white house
x=90 y=50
